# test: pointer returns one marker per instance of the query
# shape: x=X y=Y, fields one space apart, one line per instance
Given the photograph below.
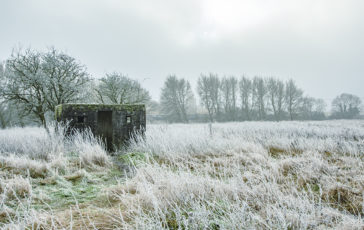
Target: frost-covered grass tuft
x=42 y=171
x=33 y=142
x=91 y=150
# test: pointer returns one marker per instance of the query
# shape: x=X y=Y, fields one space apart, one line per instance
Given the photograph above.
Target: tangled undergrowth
x=251 y=175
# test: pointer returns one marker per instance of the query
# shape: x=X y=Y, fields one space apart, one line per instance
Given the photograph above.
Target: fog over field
x=318 y=43
x=195 y=114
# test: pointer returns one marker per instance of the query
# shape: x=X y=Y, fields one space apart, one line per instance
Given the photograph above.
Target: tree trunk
x=43 y=121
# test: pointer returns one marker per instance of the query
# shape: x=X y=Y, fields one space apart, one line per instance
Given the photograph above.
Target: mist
x=316 y=43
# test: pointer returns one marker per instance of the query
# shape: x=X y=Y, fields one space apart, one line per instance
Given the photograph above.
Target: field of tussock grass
x=249 y=175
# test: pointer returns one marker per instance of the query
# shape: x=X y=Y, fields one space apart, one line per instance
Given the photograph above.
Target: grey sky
x=319 y=43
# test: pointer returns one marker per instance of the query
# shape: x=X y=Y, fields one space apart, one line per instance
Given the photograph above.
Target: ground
x=280 y=175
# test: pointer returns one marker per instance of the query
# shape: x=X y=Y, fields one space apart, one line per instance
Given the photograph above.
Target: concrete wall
x=82 y=116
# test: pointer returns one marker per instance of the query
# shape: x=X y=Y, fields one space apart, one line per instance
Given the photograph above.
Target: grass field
x=250 y=175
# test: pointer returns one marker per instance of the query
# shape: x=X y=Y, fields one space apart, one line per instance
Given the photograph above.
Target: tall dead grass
x=31 y=157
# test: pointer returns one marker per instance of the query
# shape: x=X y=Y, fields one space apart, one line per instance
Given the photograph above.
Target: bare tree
x=275 y=89
x=65 y=78
x=228 y=88
x=10 y=112
x=2 y=79
x=307 y=108
x=203 y=90
x=293 y=98
x=208 y=87
x=346 y=106
x=39 y=81
x=2 y=71
x=246 y=97
x=4 y=113
x=11 y=115
x=319 y=109
x=312 y=109
x=26 y=83
x=120 y=89
x=175 y=98
x=260 y=93
x=88 y=94
x=153 y=107
x=215 y=94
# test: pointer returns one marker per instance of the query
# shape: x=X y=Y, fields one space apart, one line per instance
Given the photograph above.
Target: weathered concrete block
x=113 y=123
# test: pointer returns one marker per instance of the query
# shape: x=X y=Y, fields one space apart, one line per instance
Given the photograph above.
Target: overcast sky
x=319 y=43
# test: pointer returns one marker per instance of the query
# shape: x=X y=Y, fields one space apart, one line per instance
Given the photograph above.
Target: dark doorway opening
x=81 y=119
x=104 y=124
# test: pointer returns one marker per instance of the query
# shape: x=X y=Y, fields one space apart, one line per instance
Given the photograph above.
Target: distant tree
x=37 y=81
x=153 y=107
x=120 y=89
x=229 y=88
x=192 y=105
x=312 y=109
x=208 y=88
x=2 y=79
x=275 y=89
x=307 y=108
x=346 y=106
x=319 y=109
x=2 y=70
x=260 y=93
x=293 y=98
x=4 y=114
x=175 y=97
x=88 y=93
x=203 y=90
x=10 y=113
x=246 y=97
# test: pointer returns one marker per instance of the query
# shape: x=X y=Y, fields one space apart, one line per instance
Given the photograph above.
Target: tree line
x=230 y=98
x=32 y=83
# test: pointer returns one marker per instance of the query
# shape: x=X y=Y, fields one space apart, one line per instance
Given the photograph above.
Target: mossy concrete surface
x=96 y=107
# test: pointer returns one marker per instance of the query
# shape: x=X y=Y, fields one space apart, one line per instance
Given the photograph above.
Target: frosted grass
x=247 y=175
x=286 y=175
